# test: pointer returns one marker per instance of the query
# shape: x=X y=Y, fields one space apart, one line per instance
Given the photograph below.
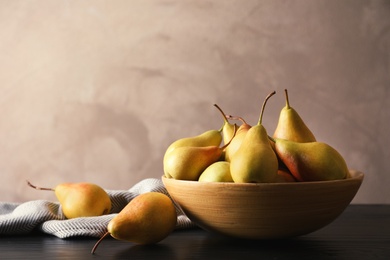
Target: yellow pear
x=255 y=160
x=208 y=138
x=313 y=161
x=217 y=172
x=80 y=199
x=188 y=163
x=291 y=126
x=147 y=219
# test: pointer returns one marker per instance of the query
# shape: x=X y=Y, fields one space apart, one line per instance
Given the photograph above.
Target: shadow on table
x=214 y=246
x=300 y=247
x=157 y=251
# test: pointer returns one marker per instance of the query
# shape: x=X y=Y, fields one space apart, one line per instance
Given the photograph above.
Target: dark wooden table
x=361 y=232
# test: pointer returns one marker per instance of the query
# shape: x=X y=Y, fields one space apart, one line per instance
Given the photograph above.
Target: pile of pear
x=250 y=155
x=146 y=219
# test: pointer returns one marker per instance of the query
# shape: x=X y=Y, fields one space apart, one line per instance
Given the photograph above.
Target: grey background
x=96 y=90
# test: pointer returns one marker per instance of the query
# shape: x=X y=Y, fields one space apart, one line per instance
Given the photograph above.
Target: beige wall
x=96 y=90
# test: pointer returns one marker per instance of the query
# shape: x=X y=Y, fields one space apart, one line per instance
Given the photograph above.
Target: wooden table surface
x=361 y=232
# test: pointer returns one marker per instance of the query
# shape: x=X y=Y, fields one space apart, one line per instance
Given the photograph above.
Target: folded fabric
x=46 y=216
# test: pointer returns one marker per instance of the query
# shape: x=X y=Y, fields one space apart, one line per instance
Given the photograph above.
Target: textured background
x=96 y=90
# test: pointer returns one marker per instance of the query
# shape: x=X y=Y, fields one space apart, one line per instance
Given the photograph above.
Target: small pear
x=147 y=219
x=188 y=163
x=80 y=199
x=314 y=161
x=291 y=126
x=255 y=160
x=238 y=138
x=217 y=172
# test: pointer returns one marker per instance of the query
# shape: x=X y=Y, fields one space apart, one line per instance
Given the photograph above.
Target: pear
x=217 y=172
x=238 y=138
x=291 y=126
x=147 y=219
x=188 y=163
x=209 y=138
x=255 y=160
x=313 y=161
x=80 y=199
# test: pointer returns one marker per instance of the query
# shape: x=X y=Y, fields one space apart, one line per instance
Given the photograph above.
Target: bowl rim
x=355 y=175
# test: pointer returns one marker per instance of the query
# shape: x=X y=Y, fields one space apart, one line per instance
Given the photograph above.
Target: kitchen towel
x=47 y=217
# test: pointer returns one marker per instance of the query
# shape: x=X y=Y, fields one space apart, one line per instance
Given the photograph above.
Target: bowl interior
x=263 y=210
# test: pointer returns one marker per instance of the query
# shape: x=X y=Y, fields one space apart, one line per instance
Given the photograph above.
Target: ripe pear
x=291 y=126
x=255 y=160
x=217 y=172
x=313 y=161
x=188 y=163
x=147 y=219
x=209 y=138
x=238 y=138
x=80 y=199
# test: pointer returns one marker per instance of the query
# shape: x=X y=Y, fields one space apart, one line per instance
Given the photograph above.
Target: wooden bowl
x=263 y=210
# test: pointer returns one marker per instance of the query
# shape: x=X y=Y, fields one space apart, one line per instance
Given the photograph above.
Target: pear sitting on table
x=80 y=199
x=147 y=219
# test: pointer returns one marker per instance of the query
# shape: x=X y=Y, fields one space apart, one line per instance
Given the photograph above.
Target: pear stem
x=287 y=101
x=237 y=118
x=98 y=242
x=234 y=134
x=223 y=115
x=263 y=107
x=220 y=110
x=38 y=188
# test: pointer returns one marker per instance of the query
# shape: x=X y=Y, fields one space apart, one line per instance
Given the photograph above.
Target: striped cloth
x=47 y=217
